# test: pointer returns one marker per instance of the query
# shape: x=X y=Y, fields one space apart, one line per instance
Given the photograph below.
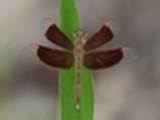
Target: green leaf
x=69 y=22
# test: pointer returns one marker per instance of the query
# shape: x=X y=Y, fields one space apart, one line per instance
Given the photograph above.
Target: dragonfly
x=80 y=52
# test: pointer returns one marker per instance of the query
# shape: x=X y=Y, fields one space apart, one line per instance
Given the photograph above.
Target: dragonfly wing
x=55 y=58
x=103 y=59
x=101 y=37
x=56 y=36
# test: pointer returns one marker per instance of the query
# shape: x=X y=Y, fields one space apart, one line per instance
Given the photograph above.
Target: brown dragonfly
x=79 y=52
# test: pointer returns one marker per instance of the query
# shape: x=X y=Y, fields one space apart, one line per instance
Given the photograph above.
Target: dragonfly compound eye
x=80 y=33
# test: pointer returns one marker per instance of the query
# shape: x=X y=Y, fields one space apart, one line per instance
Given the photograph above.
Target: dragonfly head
x=80 y=33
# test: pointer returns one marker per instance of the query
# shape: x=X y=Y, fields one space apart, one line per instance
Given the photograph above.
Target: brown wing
x=101 y=37
x=103 y=59
x=57 y=37
x=55 y=58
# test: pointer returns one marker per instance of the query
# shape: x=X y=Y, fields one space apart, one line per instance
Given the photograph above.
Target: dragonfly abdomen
x=78 y=85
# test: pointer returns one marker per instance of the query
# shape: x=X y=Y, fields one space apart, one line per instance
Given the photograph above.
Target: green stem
x=69 y=22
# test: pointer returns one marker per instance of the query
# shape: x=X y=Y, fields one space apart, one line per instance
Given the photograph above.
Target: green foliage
x=69 y=22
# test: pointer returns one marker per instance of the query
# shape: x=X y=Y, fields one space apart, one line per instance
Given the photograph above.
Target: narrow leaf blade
x=69 y=22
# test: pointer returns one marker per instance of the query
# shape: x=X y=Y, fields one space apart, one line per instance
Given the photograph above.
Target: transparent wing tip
x=109 y=23
x=113 y=25
x=34 y=46
x=125 y=49
x=47 y=22
x=50 y=22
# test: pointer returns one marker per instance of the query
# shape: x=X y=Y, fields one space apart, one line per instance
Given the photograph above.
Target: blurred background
x=128 y=91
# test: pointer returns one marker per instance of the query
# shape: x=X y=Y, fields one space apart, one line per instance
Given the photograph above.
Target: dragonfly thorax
x=78 y=44
x=78 y=48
